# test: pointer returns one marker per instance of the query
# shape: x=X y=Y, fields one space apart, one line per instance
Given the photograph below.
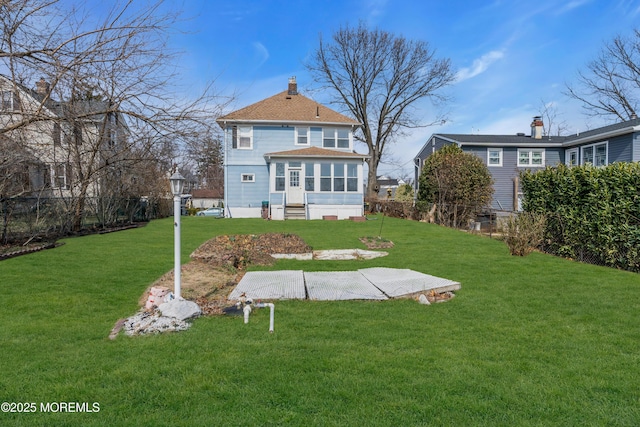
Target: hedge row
x=593 y=214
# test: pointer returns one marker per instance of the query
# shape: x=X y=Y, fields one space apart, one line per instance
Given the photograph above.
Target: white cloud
x=480 y=65
x=376 y=9
x=261 y=54
x=571 y=5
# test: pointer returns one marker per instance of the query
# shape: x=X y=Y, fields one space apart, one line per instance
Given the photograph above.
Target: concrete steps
x=295 y=212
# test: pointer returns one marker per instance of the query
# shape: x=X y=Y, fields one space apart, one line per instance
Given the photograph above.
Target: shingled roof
x=315 y=152
x=287 y=106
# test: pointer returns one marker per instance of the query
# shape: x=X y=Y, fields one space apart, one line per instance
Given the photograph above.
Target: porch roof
x=316 y=152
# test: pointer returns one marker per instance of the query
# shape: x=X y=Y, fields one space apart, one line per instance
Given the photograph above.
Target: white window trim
x=55 y=176
x=568 y=156
x=531 y=151
x=324 y=136
x=606 y=156
x=297 y=134
x=248 y=177
x=489 y=150
x=245 y=134
x=335 y=138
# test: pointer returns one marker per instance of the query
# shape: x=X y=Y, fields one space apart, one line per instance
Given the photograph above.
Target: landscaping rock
x=422 y=299
x=180 y=309
x=152 y=322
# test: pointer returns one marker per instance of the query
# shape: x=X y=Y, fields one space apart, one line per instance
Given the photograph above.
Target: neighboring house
x=59 y=139
x=293 y=154
x=507 y=155
x=387 y=186
x=203 y=198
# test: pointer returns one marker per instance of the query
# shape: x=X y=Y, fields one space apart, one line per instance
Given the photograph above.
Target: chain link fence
x=25 y=219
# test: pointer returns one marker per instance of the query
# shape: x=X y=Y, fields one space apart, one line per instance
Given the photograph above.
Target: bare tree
x=552 y=122
x=378 y=78
x=205 y=153
x=108 y=92
x=610 y=85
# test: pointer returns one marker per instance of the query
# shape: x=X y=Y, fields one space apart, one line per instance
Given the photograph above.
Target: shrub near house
x=458 y=183
x=593 y=213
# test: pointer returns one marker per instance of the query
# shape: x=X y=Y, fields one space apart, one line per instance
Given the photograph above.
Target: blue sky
x=510 y=55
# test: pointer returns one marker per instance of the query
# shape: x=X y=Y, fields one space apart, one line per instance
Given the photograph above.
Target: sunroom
x=314 y=182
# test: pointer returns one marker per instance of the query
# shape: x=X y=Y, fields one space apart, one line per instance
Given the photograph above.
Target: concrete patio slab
x=283 y=284
x=377 y=283
x=396 y=282
x=340 y=285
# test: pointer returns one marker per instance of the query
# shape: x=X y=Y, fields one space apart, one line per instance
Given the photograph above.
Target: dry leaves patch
x=376 y=242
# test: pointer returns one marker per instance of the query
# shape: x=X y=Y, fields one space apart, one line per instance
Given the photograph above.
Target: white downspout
x=226 y=201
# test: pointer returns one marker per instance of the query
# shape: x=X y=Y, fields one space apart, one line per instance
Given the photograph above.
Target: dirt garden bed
x=219 y=264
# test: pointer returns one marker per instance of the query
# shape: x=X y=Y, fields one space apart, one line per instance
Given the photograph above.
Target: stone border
x=334 y=254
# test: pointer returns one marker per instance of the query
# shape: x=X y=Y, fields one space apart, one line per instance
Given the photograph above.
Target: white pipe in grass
x=271 y=313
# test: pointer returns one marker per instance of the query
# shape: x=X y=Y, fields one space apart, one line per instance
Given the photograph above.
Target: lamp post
x=177 y=182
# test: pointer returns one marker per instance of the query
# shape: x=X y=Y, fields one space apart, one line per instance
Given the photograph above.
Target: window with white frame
x=338 y=176
x=302 y=136
x=533 y=157
x=309 y=177
x=248 y=177
x=332 y=138
x=61 y=176
x=280 y=179
x=572 y=157
x=343 y=138
x=10 y=100
x=494 y=156
x=242 y=137
x=352 y=177
x=595 y=154
x=325 y=176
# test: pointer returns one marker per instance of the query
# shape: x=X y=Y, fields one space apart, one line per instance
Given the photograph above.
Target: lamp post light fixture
x=177 y=183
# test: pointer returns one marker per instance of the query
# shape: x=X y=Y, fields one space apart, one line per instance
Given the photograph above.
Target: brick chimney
x=536 y=127
x=293 y=86
x=42 y=86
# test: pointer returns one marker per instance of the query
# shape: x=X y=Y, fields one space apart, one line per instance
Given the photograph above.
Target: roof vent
x=519 y=134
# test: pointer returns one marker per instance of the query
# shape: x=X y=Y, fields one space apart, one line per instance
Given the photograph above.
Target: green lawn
x=527 y=341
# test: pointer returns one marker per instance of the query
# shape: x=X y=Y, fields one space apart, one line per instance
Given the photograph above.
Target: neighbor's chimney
x=536 y=128
x=293 y=86
x=42 y=86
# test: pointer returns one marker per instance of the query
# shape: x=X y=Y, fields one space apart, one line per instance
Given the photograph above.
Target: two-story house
x=57 y=143
x=507 y=155
x=287 y=157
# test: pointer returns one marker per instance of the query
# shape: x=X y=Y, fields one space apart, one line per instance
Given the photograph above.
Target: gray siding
x=620 y=149
x=504 y=177
x=635 y=149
